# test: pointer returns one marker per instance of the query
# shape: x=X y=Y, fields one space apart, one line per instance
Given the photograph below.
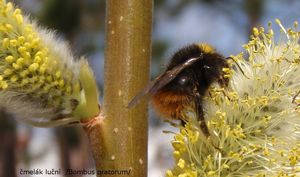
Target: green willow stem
x=127 y=61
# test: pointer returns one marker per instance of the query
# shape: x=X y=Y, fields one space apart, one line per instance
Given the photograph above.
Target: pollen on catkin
x=255 y=125
x=40 y=82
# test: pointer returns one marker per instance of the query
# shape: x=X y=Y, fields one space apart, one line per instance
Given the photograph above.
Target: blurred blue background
x=226 y=24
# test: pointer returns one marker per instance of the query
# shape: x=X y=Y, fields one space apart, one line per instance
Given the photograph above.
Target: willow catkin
x=40 y=81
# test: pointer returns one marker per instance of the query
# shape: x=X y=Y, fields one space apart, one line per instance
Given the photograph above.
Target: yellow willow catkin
x=255 y=125
x=39 y=81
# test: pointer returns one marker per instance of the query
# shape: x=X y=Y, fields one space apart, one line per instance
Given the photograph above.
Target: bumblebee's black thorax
x=201 y=74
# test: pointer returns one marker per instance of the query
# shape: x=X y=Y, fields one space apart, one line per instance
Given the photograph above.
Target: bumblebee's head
x=201 y=74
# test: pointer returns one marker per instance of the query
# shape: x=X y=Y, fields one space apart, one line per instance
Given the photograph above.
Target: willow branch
x=127 y=60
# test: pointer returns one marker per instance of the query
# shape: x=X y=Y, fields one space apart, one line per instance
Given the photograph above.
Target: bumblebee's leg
x=225 y=94
x=182 y=122
x=210 y=94
x=294 y=98
x=238 y=66
x=203 y=126
x=200 y=117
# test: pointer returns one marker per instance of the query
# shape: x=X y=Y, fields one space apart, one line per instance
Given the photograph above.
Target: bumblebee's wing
x=161 y=81
x=146 y=92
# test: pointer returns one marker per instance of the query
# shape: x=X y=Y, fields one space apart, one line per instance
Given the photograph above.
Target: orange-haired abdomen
x=170 y=104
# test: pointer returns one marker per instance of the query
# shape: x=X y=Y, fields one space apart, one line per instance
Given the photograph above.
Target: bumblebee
x=185 y=82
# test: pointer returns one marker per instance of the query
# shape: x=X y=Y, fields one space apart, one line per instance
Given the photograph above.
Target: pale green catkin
x=40 y=83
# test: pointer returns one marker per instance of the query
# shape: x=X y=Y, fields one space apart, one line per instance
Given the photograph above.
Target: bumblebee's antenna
x=238 y=66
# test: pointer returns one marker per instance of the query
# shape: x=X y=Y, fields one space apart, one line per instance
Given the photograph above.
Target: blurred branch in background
x=74 y=152
x=254 y=11
x=73 y=19
x=67 y=16
x=8 y=139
